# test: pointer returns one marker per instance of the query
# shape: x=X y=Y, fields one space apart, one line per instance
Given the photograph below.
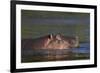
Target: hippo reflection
x=57 y=41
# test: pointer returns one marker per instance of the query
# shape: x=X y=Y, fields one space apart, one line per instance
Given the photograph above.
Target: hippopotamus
x=57 y=41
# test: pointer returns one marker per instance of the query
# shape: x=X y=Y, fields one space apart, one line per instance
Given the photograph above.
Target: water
x=81 y=53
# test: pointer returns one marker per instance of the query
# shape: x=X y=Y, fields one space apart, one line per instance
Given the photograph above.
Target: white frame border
x=20 y=65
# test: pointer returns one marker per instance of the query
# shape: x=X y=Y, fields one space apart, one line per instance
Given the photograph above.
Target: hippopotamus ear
x=51 y=36
x=58 y=36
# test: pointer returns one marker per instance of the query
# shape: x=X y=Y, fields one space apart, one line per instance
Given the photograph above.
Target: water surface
x=81 y=53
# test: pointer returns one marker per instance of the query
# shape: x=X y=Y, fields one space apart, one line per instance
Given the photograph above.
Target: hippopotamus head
x=59 y=41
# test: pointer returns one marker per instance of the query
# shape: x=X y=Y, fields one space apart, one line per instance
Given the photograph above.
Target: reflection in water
x=81 y=53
